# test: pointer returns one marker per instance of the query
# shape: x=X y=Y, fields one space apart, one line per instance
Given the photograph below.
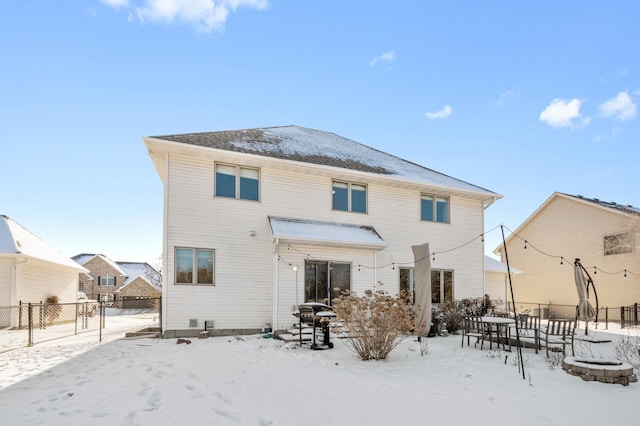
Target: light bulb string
x=527 y=243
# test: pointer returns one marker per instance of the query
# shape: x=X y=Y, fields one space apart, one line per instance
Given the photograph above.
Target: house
x=108 y=280
x=496 y=281
x=565 y=227
x=258 y=221
x=31 y=270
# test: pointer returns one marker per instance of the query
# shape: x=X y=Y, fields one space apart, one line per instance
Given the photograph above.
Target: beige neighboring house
x=603 y=235
x=31 y=270
x=108 y=280
x=257 y=221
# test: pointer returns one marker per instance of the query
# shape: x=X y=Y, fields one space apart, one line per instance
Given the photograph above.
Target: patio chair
x=528 y=330
x=558 y=334
x=472 y=326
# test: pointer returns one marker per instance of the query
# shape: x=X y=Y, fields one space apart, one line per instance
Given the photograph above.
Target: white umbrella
x=422 y=286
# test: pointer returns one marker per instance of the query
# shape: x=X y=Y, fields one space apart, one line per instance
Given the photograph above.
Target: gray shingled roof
x=322 y=148
x=628 y=208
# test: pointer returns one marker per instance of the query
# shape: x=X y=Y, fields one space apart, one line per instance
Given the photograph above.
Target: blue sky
x=522 y=98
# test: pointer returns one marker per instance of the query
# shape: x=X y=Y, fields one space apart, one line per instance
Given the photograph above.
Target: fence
x=32 y=323
x=626 y=316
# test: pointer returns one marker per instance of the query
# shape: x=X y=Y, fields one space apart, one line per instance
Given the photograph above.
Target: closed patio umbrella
x=586 y=311
x=422 y=286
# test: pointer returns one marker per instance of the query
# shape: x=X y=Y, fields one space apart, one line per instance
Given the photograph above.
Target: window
x=349 y=196
x=434 y=209
x=406 y=284
x=81 y=285
x=237 y=182
x=618 y=244
x=441 y=286
x=194 y=266
x=107 y=280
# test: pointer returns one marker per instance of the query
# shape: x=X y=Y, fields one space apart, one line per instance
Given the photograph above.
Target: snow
x=15 y=239
x=308 y=230
x=251 y=380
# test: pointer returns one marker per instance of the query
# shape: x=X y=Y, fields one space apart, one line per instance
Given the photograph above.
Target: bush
x=450 y=314
x=374 y=323
x=52 y=309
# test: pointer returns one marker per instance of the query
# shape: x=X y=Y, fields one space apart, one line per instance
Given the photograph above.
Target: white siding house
x=257 y=221
x=31 y=270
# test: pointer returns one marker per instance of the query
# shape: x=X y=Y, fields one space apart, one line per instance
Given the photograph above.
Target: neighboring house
x=257 y=221
x=31 y=270
x=496 y=280
x=601 y=234
x=108 y=280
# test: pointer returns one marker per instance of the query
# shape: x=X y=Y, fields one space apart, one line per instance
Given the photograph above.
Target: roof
x=16 y=240
x=327 y=233
x=625 y=209
x=84 y=258
x=130 y=270
x=493 y=265
x=317 y=147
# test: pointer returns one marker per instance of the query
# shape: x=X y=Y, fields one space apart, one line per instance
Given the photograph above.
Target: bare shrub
x=628 y=350
x=374 y=323
x=52 y=309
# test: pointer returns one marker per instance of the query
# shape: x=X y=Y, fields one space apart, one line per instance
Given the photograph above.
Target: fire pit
x=601 y=370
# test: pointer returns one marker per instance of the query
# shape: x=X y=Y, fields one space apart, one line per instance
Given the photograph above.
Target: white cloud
x=560 y=113
x=505 y=97
x=207 y=15
x=443 y=113
x=389 y=57
x=115 y=3
x=620 y=108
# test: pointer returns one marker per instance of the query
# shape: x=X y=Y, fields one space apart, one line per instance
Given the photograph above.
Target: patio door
x=324 y=281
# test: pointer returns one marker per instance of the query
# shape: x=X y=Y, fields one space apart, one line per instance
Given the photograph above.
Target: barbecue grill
x=318 y=316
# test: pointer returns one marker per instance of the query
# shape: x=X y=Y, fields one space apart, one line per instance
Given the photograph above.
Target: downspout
x=13 y=292
x=165 y=247
x=375 y=271
x=274 y=307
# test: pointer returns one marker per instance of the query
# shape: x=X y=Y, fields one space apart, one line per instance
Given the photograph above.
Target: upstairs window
x=349 y=197
x=237 y=182
x=618 y=244
x=107 y=280
x=434 y=209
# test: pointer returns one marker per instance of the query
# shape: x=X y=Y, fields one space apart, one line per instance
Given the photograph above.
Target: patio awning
x=311 y=232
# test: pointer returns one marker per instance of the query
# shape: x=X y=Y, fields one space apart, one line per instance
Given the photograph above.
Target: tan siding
x=242 y=295
x=572 y=229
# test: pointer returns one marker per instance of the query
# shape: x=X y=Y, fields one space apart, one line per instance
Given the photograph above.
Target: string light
x=626 y=272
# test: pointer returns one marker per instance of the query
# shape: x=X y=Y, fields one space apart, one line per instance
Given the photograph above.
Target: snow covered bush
x=52 y=309
x=374 y=323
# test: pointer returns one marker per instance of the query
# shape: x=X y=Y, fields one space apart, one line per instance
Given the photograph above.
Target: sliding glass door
x=324 y=281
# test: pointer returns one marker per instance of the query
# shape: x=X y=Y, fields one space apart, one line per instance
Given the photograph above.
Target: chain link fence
x=32 y=323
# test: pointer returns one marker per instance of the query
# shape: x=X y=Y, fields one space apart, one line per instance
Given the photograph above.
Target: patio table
x=499 y=326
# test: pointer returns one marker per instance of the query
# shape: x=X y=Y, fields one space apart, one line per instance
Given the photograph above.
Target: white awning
x=312 y=232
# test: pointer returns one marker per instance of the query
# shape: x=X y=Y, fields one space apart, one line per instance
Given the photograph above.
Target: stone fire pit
x=601 y=370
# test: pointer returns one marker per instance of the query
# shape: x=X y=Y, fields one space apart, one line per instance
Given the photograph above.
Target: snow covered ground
x=251 y=380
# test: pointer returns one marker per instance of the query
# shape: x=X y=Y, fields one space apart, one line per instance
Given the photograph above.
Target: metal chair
x=528 y=328
x=559 y=333
x=472 y=326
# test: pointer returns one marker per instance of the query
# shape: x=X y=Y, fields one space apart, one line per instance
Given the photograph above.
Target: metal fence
x=626 y=316
x=29 y=324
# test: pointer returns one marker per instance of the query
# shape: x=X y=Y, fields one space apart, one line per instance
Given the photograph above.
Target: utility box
x=542 y=312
